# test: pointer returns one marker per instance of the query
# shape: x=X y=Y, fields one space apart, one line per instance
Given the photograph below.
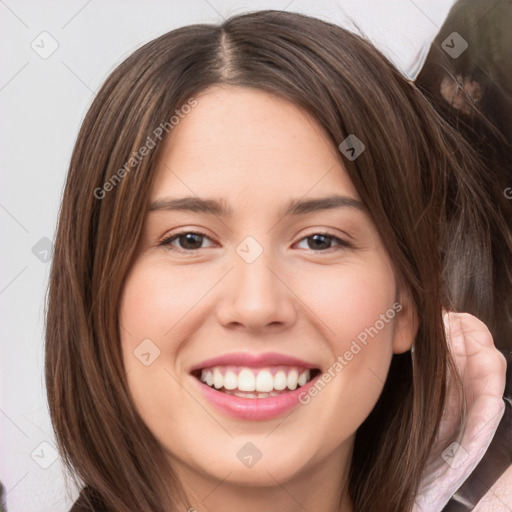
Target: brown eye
x=186 y=241
x=320 y=242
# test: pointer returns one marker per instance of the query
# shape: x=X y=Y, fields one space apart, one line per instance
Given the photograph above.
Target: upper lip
x=253 y=360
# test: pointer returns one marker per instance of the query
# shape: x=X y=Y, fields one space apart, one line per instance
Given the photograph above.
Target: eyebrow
x=221 y=208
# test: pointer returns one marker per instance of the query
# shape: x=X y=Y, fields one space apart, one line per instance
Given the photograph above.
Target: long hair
x=473 y=93
x=418 y=179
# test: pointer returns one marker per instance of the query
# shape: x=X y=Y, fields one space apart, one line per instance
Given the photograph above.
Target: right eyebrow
x=193 y=204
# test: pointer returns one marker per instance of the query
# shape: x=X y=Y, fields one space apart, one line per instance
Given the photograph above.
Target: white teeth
x=293 y=376
x=303 y=378
x=254 y=383
x=264 y=381
x=230 y=380
x=218 y=380
x=246 y=380
x=280 y=381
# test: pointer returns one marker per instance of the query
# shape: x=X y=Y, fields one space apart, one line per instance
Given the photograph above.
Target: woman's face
x=266 y=297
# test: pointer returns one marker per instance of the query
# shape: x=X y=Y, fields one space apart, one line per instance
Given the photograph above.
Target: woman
x=247 y=252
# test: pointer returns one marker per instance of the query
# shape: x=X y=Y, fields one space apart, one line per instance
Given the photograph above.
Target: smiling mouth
x=249 y=382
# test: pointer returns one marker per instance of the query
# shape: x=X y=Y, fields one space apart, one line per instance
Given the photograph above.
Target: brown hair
x=418 y=180
x=473 y=93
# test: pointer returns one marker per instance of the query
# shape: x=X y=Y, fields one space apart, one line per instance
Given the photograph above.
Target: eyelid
x=170 y=237
x=341 y=242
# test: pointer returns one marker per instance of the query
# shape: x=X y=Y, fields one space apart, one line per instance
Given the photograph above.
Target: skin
x=257 y=152
x=499 y=496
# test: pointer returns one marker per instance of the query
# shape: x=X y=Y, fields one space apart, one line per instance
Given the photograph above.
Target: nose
x=257 y=296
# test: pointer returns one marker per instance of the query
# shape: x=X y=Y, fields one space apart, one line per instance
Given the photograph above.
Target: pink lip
x=253 y=360
x=254 y=408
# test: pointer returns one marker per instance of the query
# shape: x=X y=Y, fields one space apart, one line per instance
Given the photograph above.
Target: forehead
x=245 y=142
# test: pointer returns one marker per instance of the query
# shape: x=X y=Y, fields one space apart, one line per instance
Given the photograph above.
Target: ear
x=406 y=323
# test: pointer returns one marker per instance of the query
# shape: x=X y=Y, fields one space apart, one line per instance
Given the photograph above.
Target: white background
x=43 y=102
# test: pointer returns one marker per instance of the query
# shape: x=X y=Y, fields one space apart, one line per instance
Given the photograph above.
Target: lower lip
x=254 y=408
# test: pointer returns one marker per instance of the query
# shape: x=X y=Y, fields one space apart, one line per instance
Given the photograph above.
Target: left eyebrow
x=300 y=207
x=221 y=209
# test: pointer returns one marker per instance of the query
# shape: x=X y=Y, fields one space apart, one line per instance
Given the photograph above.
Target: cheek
x=154 y=303
x=153 y=309
x=357 y=309
x=351 y=299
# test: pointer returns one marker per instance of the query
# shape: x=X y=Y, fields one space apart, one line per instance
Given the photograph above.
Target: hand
x=482 y=369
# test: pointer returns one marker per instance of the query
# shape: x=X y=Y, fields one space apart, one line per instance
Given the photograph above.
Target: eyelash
x=342 y=244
